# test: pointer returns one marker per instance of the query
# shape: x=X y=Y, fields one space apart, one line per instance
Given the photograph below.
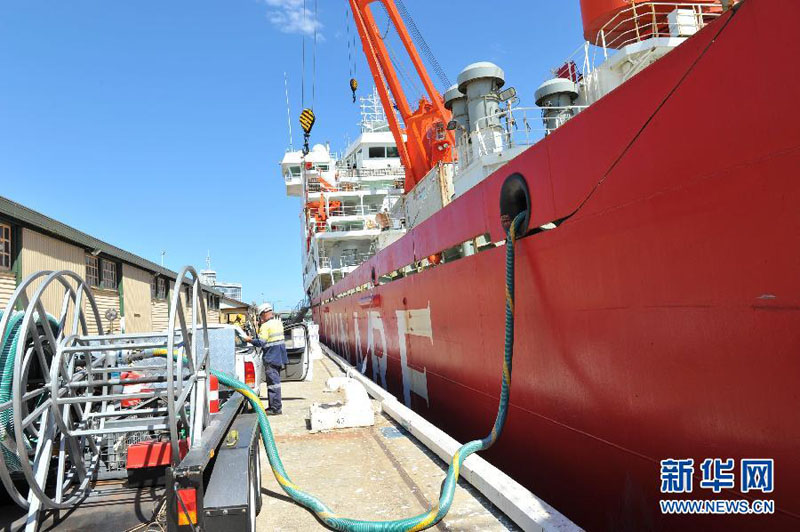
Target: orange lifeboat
x=625 y=21
x=320 y=213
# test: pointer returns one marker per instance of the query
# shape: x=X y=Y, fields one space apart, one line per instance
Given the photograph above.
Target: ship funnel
x=481 y=82
x=613 y=23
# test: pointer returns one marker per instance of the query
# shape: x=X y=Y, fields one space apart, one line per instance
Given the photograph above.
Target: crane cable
x=314 y=56
x=351 y=53
x=303 y=63
x=408 y=79
x=307 y=117
x=417 y=37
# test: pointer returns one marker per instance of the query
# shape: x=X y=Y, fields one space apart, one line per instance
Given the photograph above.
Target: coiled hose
x=437 y=513
x=8 y=353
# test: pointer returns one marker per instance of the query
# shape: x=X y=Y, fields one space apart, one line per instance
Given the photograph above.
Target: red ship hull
x=660 y=319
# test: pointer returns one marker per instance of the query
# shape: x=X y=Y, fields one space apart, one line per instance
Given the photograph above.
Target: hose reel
x=61 y=400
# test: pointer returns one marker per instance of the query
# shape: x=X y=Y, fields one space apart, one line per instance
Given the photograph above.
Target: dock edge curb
x=525 y=509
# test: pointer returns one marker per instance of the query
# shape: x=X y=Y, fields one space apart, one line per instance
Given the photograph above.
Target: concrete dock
x=380 y=472
x=372 y=473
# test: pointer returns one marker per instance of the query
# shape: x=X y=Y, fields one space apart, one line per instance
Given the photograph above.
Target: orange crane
x=427 y=139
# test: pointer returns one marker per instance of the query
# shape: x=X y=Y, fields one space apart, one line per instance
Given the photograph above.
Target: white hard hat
x=264 y=307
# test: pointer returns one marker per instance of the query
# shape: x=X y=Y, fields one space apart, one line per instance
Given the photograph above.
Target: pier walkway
x=376 y=473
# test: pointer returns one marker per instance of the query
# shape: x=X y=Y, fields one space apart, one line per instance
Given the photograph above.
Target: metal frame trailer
x=217 y=486
x=75 y=401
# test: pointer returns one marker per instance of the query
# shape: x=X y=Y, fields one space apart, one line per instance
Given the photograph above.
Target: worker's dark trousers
x=274 y=387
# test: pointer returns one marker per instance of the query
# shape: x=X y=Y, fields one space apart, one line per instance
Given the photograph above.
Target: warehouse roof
x=45 y=224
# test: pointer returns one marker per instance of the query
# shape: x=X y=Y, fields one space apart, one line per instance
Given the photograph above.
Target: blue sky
x=159 y=124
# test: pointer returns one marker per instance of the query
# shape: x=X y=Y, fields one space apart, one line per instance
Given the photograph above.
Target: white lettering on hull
x=413 y=323
x=344 y=345
x=361 y=360
x=419 y=322
x=375 y=323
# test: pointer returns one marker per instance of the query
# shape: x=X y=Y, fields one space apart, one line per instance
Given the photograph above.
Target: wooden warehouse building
x=137 y=289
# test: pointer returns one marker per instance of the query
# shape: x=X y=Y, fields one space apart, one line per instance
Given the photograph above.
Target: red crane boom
x=427 y=140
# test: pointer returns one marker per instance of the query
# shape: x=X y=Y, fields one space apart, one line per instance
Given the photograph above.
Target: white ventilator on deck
x=456 y=102
x=354 y=410
x=556 y=98
x=481 y=82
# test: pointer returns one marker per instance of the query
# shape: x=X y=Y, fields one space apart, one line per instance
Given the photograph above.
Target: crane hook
x=353 y=87
x=307 y=120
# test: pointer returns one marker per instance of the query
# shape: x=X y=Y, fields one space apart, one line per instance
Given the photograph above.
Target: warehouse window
x=213 y=302
x=92 y=270
x=109 y=275
x=5 y=247
x=158 y=288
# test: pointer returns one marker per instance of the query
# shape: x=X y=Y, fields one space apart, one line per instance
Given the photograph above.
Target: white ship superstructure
x=347 y=201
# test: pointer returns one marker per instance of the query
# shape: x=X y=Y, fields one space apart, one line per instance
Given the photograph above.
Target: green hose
x=437 y=513
x=8 y=350
x=8 y=353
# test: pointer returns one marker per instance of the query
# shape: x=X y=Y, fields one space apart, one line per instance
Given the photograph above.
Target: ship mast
x=423 y=139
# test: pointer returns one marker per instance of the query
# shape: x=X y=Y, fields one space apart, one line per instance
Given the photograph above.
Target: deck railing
x=647 y=20
x=346 y=260
x=358 y=173
x=314 y=185
x=354 y=210
x=516 y=126
x=637 y=23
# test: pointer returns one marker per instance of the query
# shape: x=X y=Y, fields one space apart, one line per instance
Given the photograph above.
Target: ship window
x=391 y=151
x=323 y=167
x=377 y=152
x=294 y=171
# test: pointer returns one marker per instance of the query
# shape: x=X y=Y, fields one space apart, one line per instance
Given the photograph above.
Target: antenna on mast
x=288 y=110
x=373 y=118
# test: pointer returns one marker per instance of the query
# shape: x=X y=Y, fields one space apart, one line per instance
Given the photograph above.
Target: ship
x=657 y=286
x=346 y=199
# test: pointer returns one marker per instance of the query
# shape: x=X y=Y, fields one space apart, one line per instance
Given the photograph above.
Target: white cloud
x=289 y=16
